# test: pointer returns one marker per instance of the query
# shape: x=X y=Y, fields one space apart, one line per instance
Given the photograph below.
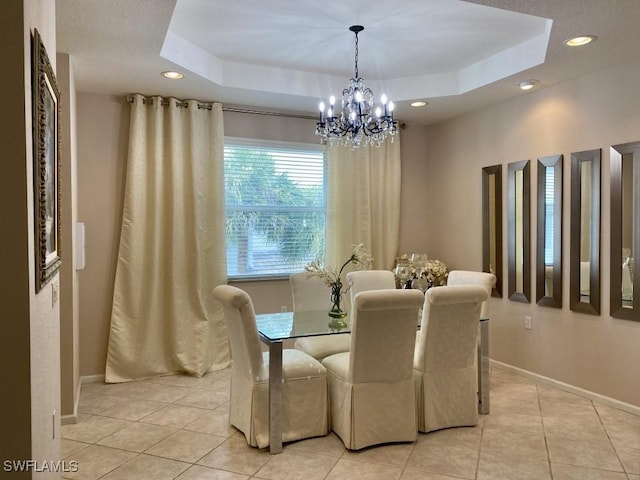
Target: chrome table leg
x=483 y=368
x=275 y=397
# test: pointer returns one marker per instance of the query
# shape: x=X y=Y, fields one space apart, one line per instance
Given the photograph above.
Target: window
x=275 y=207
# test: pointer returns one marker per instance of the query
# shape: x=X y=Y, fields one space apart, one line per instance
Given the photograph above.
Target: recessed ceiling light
x=580 y=41
x=173 y=75
x=418 y=104
x=528 y=84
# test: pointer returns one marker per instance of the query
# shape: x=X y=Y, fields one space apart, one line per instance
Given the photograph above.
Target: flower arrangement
x=423 y=275
x=333 y=276
x=436 y=273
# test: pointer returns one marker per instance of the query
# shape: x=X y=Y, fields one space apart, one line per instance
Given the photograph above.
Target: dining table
x=275 y=328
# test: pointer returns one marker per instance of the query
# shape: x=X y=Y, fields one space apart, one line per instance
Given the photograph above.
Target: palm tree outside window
x=275 y=207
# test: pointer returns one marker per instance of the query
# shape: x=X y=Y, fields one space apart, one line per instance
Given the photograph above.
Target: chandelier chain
x=356 y=55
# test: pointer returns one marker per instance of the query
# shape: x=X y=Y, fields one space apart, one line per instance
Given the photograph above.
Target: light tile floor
x=175 y=427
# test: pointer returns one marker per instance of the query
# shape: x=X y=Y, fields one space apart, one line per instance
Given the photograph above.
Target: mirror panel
x=625 y=230
x=492 y=224
x=549 y=245
x=584 y=288
x=519 y=238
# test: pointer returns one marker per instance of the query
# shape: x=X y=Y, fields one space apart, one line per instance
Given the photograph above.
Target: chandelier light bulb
x=358 y=96
x=352 y=116
x=378 y=112
x=391 y=106
x=322 y=106
x=332 y=100
x=383 y=99
x=330 y=112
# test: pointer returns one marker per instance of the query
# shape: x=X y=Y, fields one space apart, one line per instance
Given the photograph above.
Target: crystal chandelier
x=358 y=123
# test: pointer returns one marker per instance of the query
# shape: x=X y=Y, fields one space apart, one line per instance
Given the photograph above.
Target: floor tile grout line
x=477 y=472
x=544 y=432
x=413 y=449
x=115 y=468
x=615 y=450
x=491 y=370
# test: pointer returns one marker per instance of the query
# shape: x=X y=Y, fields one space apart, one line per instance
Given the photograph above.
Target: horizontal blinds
x=275 y=208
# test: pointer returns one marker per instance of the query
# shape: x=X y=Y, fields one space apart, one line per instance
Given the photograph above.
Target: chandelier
x=359 y=122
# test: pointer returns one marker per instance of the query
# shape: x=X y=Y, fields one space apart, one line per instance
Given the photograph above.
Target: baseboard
x=68 y=419
x=73 y=418
x=92 y=378
x=602 y=399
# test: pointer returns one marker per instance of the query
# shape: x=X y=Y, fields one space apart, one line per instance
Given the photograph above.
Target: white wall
x=103 y=133
x=597 y=353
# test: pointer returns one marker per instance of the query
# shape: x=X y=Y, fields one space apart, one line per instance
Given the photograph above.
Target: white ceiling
x=456 y=55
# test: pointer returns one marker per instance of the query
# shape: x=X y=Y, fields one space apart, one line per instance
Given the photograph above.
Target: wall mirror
x=584 y=278
x=549 y=245
x=519 y=238
x=625 y=230
x=492 y=224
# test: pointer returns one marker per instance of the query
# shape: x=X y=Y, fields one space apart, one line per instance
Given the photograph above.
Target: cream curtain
x=172 y=245
x=363 y=202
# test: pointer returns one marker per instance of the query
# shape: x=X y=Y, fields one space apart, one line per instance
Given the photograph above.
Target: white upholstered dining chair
x=371 y=387
x=468 y=277
x=445 y=368
x=304 y=391
x=363 y=280
x=488 y=281
x=311 y=293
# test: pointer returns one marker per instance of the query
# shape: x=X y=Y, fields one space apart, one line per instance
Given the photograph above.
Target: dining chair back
x=468 y=277
x=363 y=280
x=309 y=292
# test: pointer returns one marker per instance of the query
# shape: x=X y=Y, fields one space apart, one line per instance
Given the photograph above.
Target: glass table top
x=284 y=325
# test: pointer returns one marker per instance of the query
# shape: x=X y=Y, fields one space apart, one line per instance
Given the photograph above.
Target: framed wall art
x=46 y=164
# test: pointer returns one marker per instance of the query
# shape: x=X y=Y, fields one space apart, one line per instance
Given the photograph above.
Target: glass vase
x=336 y=297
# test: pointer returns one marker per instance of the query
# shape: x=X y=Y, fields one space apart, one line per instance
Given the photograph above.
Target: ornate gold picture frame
x=46 y=164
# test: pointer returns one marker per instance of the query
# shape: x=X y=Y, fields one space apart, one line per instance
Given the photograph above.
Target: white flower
x=332 y=277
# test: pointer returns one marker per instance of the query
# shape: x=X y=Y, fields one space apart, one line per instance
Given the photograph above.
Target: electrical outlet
x=527 y=322
x=283 y=308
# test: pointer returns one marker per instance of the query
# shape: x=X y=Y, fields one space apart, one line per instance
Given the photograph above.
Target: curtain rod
x=207 y=106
